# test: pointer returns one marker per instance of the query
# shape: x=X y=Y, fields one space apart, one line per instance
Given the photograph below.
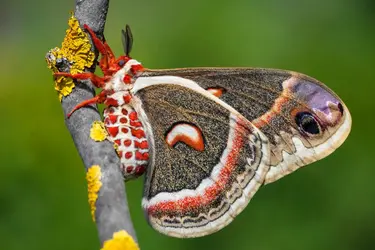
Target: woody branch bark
x=112 y=212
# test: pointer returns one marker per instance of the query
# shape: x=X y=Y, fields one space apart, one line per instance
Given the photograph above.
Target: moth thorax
x=128 y=135
x=124 y=78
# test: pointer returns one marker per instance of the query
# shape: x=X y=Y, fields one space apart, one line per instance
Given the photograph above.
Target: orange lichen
x=121 y=240
x=75 y=49
x=97 y=131
x=94 y=184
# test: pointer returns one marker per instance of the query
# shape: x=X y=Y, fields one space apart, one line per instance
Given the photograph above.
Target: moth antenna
x=127 y=40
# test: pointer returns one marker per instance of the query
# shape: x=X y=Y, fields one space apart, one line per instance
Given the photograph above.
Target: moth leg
x=107 y=55
x=96 y=80
x=100 y=98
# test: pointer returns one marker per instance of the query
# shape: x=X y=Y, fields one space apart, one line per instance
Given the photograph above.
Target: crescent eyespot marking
x=218 y=92
x=189 y=134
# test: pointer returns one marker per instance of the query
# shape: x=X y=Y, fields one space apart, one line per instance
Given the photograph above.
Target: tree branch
x=112 y=212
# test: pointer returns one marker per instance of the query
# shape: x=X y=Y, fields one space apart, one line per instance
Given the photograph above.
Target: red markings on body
x=135 y=124
x=128 y=155
x=127 y=99
x=124 y=111
x=124 y=130
x=118 y=142
x=141 y=145
x=127 y=79
x=141 y=156
x=140 y=170
x=136 y=68
x=211 y=192
x=129 y=169
x=119 y=153
x=113 y=131
x=123 y=120
x=216 y=91
x=189 y=134
x=133 y=116
x=139 y=133
x=127 y=142
x=112 y=118
x=111 y=102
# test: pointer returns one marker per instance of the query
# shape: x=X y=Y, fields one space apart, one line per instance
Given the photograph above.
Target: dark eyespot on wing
x=307 y=122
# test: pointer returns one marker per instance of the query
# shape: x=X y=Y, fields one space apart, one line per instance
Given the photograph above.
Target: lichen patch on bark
x=93 y=177
x=75 y=52
x=121 y=240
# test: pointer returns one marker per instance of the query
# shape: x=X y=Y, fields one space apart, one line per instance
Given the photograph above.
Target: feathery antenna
x=127 y=40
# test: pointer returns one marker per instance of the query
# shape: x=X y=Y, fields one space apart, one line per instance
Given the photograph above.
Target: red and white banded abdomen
x=126 y=131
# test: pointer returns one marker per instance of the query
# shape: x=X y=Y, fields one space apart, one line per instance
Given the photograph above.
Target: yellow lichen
x=97 y=131
x=75 y=49
x=121 y=240
x=115 y=146
x=94 y=184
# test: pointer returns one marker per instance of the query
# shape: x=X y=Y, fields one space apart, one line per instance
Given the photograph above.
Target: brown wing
x=302 y=118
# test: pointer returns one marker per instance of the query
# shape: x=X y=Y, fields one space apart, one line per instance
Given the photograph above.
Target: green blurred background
x=328 y=205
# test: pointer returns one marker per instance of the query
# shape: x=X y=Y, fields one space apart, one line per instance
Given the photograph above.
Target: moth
x=209 y=138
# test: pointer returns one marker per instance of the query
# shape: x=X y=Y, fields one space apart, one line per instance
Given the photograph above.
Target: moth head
x=116 y=64
x=319 y=114
x=125 y=68
x=121 y=61
x=127 y=42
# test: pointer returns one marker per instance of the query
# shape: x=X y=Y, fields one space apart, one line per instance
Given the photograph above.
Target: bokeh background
x=328 y=205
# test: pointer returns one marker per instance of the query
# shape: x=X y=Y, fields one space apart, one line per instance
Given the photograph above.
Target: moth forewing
x=303 y=119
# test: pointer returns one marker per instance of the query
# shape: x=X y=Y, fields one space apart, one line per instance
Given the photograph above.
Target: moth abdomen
x=127 y=133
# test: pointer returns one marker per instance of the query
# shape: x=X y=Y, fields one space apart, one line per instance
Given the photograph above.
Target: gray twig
x=112 y=212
